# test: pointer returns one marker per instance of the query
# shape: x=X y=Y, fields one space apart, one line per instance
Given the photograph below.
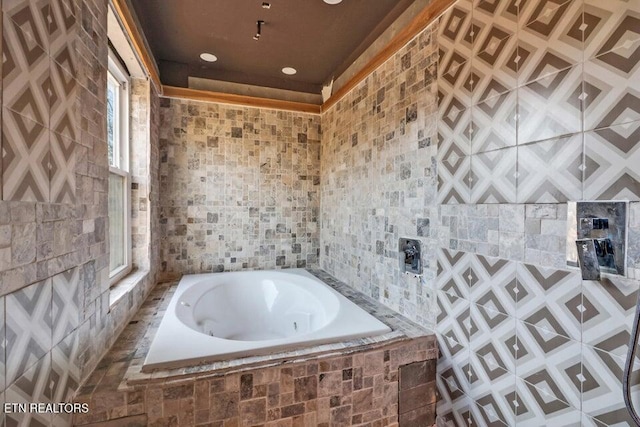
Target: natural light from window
x=118 y=146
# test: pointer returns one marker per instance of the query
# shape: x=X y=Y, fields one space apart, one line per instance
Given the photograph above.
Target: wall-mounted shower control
x=601 y=238
x=588 y=259
x=410 y=261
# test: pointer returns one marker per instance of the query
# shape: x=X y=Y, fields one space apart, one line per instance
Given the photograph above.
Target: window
x=119 y=186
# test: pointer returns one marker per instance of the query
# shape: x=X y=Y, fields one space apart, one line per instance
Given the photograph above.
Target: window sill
x=125 y=285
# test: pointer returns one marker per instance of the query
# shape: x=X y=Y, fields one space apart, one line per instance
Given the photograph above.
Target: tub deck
x=318 y=385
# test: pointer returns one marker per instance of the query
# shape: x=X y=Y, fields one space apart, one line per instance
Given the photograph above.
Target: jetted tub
x=221 y=316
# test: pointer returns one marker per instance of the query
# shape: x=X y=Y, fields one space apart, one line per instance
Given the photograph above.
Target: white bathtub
x=221 y=316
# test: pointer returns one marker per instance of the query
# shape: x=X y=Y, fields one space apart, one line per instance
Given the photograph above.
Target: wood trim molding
x=137 y=39
x=248 y=101
x=417 y=24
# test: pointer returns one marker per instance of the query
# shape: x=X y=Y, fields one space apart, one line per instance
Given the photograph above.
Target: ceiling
x=317 y=39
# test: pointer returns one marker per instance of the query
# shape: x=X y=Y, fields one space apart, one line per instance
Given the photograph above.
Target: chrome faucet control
x=410 y=257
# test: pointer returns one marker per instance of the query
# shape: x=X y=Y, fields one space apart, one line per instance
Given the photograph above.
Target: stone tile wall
x=416 y=394
x=378 y=179
x=144 y=169
x=56 y=322
x=139 y=157
x=239 y=188
x=529 y=105
x=154 y=183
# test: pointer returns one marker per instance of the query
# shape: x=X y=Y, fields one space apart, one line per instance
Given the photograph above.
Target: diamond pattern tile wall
x=612 y=168
x=28 y=328
x=608 y=314
x=551 y=171
x=25 y=158
x=550 y=30
x=65 y=368
x=493 y=176
x=493 y=338
x=32 y=386
x=40 y=93
x=494 y=122
x=530 y=345
x=62 y=177
x=609 y=26
x=571 y=67
x=455 y=47
x=550 y=299
x=550 y=106
x=493 y=284
x=66 y=308
x=551 y=363
x=62 y=32
x=539 y=408
x=25 y=69
x=62 y=102
x=601 y=387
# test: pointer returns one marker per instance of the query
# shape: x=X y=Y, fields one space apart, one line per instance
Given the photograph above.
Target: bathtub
x=219 y=316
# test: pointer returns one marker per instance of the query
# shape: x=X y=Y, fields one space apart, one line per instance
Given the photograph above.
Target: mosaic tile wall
x=55 y=319
x=239 y=188
x=154 y=184
x=139 y=161
x=144 y=161
x=378 y=179
x=537 y=105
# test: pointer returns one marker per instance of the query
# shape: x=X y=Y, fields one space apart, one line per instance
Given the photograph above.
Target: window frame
x=117 y=73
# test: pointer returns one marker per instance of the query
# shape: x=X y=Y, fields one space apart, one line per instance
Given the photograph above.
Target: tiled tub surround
x=472 y=139
x=231 y=315
x=56 y=322
x=357 y=382
x=239 y=188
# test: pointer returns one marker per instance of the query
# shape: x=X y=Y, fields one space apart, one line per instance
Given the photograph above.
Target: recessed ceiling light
x=266 y=5
x=289 y=71
x=208 y=57
x=332 y=1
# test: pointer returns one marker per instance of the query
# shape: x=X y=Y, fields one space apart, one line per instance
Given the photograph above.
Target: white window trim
x=116 y=69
